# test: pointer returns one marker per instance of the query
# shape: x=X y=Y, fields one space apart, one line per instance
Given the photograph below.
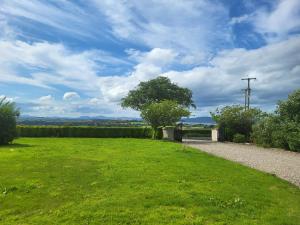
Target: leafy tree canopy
x=164 y=113
x=156 y=90
x=8 y=115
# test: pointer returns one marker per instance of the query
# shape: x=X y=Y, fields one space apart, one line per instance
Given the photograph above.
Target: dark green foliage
x=157 y=133
x=275 y=132
x=281 y=129
x=235 y=119
x=289 y=109
x=93 y=132
x=202 y=132
x=178 y=133
x=239 y=138
x=157 y=90
x=8 y=116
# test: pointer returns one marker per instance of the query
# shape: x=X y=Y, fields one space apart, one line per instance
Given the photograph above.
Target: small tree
x=156 y=90
x=8 y=116
x=164 y=113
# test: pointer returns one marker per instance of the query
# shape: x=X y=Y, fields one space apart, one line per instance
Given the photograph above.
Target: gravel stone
x=284 y=164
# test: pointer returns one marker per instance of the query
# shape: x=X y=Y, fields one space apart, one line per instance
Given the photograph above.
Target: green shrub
x=292 y=134
x=239 y=138
x=8 y=116
x=95 y=132
x=263 y=132
x=235 y=119
x=294 y=141
x=196 y=132
x=281 y=129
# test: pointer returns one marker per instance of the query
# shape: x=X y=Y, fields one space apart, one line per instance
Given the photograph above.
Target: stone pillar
x=214 y=134
x=168 y=133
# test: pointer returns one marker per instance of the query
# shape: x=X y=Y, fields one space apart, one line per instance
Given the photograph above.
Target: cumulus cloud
x=282 y=20
x=183 y=42
x=47 y=64
x=276 y=66
x=71 y=96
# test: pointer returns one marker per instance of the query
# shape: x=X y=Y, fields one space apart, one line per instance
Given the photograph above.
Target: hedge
x=93 y=132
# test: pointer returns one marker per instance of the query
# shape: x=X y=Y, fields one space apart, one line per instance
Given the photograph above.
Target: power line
x=248 y=92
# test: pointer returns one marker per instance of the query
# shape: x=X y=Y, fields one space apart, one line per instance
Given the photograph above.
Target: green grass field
x=133 y=181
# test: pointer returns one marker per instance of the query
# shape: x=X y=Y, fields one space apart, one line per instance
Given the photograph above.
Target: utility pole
x=248 y=90
x=245 y=93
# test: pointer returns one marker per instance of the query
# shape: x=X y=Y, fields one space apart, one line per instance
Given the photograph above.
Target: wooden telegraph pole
x=248 y=92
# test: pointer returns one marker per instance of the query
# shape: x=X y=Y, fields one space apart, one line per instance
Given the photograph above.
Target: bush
x=281 y=129
x=292 y=134
x=264 y=132
x=294 y=141
x=239 y=138
x=8 y=116
x=235 y=119
x=93 y=132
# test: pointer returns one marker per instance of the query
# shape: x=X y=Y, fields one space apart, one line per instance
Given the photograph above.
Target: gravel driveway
x=284 y=164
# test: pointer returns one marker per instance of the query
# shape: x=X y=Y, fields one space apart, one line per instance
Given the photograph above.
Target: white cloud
x=276 y=66
x=49 y=14
x=46 y=98
x=240 y=19
x=173 y=39
x=189 y=27
x=48 y=64
x=71 y=96
x=282 y=20
x=94 y=101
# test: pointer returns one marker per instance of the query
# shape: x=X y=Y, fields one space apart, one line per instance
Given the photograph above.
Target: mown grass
x=135 y=181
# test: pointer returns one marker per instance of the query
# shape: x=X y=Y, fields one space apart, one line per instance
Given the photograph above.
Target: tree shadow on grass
x=15 y=145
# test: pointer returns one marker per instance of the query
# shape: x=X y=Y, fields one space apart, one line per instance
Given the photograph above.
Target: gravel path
x=284 y=164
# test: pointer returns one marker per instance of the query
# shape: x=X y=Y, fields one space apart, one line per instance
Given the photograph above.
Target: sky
x=81 y=57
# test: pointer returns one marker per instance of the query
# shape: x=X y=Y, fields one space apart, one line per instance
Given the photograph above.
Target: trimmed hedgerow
x=197 y=133
x=95 y=132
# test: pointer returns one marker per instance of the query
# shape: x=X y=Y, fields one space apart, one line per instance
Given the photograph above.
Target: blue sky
x=74 y=58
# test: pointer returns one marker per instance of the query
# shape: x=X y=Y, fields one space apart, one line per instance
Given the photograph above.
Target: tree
x=157 y=90
x=164 y=113
x=235 y=119
x=290 y=108
x=282 y=128
x=8 y=116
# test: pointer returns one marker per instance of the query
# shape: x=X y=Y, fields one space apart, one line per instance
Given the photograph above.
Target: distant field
x=135 y=181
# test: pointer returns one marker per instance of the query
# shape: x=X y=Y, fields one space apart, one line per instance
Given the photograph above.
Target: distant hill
x=99 y=120
x=80 y=121
x=200 y=120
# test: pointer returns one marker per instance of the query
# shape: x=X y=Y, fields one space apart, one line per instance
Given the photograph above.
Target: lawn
x=134 y=181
